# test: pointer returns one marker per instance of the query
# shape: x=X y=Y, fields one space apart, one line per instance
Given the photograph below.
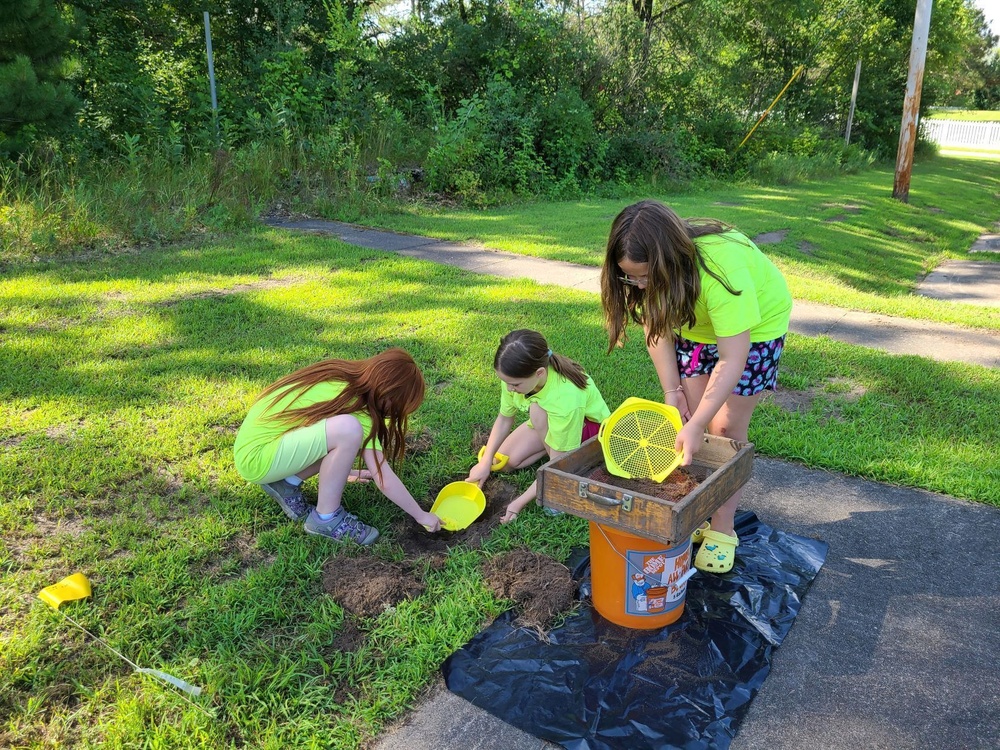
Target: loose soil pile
x=366 y=586
x=678 y=484
x=540 y=587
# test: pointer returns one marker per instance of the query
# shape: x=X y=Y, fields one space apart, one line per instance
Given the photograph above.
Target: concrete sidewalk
x=896 y=645
x=890 y=334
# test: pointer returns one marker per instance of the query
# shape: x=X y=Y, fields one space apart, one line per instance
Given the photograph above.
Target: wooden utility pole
x=911 y=104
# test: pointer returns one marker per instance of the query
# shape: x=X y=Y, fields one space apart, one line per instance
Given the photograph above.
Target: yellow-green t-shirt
x=566 y=406
x=764 y=307
x=258 y=437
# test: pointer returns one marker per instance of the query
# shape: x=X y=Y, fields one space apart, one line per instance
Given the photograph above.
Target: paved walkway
x=895 y=646
x=891 y=334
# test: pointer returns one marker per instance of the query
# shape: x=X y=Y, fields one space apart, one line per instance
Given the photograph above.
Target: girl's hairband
x=549 y=353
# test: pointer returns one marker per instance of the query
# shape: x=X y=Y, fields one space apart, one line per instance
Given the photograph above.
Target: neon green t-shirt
x=566 y=406
x=764 y=307
x=258 y=437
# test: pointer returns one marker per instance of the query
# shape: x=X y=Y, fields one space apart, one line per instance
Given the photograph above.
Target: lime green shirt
x=258 y=437
x=764 y=307
x=566 y=406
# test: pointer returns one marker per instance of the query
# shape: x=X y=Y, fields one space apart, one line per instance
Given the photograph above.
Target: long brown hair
x=388 y=387
x=523 y=351
x=651 y=233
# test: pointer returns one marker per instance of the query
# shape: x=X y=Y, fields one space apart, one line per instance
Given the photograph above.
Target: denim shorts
x=759 y=374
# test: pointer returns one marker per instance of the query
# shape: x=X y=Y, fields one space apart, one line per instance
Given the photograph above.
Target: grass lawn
x=969 y=152
x=968 y=115
x=124 y=379
x=849 y=243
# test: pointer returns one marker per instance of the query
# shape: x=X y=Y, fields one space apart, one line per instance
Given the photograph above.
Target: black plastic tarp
x=593 y=685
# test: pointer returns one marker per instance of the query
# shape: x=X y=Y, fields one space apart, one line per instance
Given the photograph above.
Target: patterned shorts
x=761 y=372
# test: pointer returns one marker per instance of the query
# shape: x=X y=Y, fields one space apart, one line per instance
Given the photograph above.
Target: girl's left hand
x=359 y=475
x=689 y=441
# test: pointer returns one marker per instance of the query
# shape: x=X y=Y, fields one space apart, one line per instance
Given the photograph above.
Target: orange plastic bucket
x=637 y=582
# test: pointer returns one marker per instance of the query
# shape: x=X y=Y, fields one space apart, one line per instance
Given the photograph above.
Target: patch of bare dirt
x=678 y=483
x=770 y=238
x=281 y=210
x=806 y=248
x=830 y=391
x=480 y=436
x=65 y=432
x=350 y=637
x=238 y=555
x=540 y=587
x=366 y=586
x=235 y=289
x=418 y=445
x=851 y=208
x=417 y=542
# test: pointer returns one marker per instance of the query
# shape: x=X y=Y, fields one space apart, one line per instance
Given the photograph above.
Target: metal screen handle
x=607 y=502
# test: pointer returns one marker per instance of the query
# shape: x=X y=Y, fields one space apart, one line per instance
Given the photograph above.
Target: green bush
x=786 y=169
x=637 y=155
x=488 y=146
x=567 y=142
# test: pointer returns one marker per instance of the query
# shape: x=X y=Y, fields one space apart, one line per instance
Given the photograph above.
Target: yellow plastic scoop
x=72 y=587
x=499 y=459
x=459 y=504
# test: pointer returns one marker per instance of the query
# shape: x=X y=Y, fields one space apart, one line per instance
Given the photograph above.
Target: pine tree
x=35 y=97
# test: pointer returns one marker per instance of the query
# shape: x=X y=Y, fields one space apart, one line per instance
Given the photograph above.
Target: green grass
x=849 y=243
x=969 y=115
x=971 y=152
x=123 y=381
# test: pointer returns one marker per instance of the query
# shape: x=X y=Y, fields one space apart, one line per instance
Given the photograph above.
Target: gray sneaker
x=342 y=526
x=289 y=497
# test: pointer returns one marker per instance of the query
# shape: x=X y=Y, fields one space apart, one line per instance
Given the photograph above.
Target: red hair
x=387 y=387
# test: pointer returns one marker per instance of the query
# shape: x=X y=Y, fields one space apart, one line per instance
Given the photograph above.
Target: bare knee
x=344 y=431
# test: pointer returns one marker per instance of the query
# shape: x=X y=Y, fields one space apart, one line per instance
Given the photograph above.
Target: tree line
x=482 y=96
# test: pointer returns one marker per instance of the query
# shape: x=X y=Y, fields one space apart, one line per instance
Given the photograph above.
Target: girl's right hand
x=430 y=522
x=479 y=473
x=678 y=400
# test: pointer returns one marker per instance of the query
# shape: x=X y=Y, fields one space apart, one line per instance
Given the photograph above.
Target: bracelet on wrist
x=678 y=389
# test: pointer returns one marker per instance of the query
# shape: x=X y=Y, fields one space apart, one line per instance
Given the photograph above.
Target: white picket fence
x=960 y=133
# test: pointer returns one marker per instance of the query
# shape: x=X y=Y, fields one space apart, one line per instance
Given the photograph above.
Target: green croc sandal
x=717 y=553
x=698 y=535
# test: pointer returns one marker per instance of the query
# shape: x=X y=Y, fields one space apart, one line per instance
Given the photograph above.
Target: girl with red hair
x=318 y=420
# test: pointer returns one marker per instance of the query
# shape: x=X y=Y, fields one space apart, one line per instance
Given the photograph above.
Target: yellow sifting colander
x=638 y=440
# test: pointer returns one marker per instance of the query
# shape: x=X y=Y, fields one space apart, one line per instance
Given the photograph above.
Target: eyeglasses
x=633 y=280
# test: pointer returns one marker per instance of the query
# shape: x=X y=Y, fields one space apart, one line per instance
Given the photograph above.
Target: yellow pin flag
x=76 y=586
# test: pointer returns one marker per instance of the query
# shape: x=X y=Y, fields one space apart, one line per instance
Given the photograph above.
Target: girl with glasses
x=563 y=406
x=318 y=420
x=714 y=311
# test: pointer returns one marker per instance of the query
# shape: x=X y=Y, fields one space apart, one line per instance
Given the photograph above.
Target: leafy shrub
x=640 y=155
x=567 y=141
x=487 y=146
x=785 y=169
